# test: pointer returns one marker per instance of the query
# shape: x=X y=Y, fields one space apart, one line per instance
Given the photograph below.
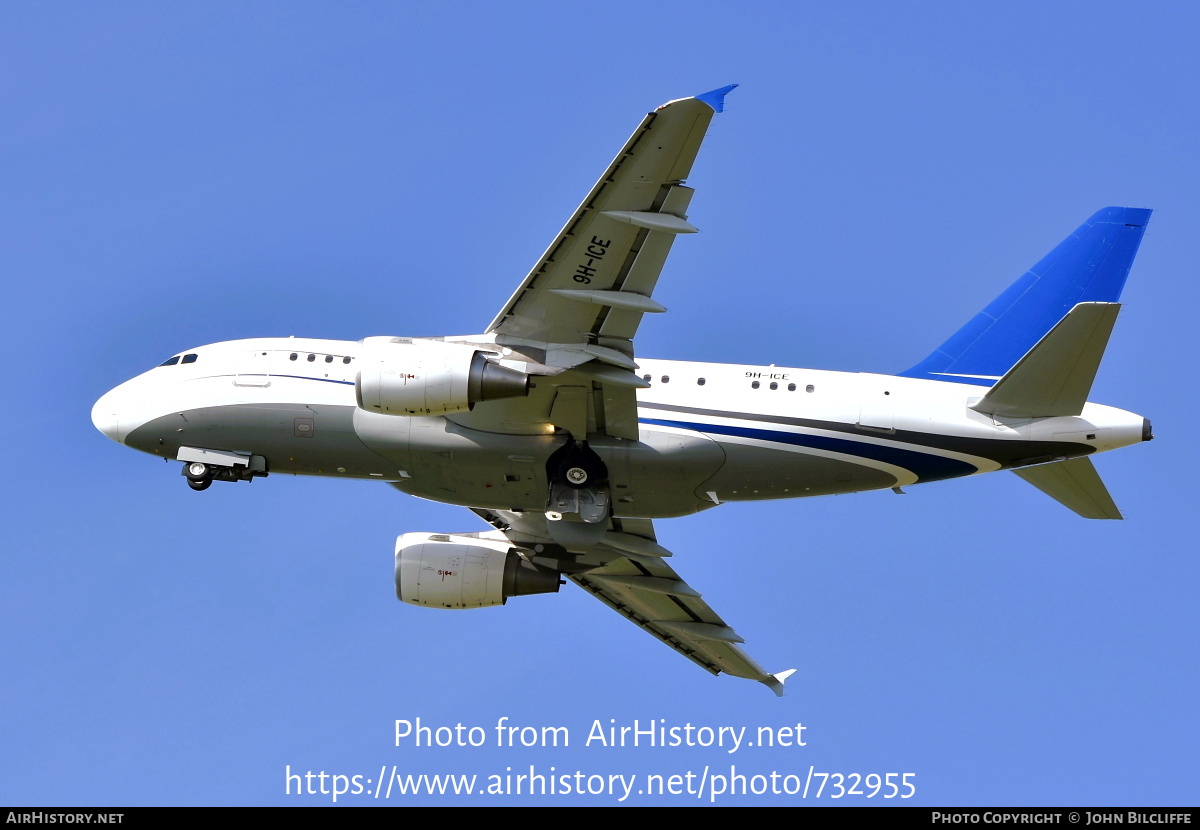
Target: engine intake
x=438 y=570
x=429 y=377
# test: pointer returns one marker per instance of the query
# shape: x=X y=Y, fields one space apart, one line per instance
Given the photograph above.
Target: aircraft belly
x=757 y=472
x=447 y=462
x=442 y=460
x=294 y=438
x=660 y=475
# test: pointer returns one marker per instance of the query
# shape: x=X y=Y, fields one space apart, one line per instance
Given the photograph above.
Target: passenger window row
x=791 y=387
x=312 y=358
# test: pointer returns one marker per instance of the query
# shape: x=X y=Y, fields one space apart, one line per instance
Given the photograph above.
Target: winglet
x=775 y=682
x=716 y=98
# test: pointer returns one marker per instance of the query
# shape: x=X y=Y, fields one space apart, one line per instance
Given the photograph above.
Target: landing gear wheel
x=576 y=466
x=198 y=471
x=202 y=484
x=576 y=476
x=579 y=471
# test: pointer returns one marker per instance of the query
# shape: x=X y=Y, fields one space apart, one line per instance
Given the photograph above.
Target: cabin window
x=345 y=360
x=666 y=378
x=810 y=388
x=774 y=386
x=754 y=384
x=791 y=387
x=189 y=358
x=311 y=358
x=646 y=378
x=699 y=381
x=293 y=356
x=170 y=361
x=329 y=358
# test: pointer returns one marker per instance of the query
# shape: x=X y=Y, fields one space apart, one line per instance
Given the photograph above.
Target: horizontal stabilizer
x=1055 y=376
x=1076 y=484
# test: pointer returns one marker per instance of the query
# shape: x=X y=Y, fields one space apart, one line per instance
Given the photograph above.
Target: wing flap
x=679 y=617
x=620 y=411
x=646 y=268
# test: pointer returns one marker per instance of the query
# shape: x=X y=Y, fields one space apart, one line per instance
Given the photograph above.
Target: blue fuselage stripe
x=321 y=380
x=925 y=466
x=293 y=377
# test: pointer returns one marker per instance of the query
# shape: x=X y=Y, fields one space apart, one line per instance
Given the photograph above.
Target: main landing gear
x=578 y=484
x=580 y=468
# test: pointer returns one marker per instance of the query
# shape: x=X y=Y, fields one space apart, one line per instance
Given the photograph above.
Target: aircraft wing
x=627 y=571
x=579 y=308
x=595 y=280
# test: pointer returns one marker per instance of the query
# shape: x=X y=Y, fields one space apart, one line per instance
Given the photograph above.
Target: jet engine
x=402 y=376
x=438 y=570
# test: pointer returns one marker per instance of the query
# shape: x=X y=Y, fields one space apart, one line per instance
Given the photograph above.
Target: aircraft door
x=876 y=403
x=254 y=370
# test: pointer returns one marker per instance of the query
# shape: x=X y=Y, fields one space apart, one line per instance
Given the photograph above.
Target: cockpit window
x=170 y=361
x=189 y=358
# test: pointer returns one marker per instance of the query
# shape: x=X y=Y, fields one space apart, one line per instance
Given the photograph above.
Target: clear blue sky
x=180 y=174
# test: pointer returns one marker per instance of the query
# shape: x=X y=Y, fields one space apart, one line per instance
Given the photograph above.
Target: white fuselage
x=709 y=432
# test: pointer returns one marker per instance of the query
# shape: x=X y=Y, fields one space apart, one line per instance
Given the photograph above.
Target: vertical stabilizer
x=1089 y=266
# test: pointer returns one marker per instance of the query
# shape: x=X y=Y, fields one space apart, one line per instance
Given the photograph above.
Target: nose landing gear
x=201 y=475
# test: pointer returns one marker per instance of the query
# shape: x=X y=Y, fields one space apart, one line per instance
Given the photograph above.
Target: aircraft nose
x=104 y=416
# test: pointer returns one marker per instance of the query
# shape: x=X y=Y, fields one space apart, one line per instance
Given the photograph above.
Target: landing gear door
x=254 y=370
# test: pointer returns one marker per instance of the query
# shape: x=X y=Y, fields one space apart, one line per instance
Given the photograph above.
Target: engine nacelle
x=402 y=376
x=439 y=570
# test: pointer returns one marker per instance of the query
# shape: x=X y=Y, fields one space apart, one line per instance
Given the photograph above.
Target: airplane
x=549 y=427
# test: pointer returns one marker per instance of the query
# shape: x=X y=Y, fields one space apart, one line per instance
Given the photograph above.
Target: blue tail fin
x=1088 y=266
